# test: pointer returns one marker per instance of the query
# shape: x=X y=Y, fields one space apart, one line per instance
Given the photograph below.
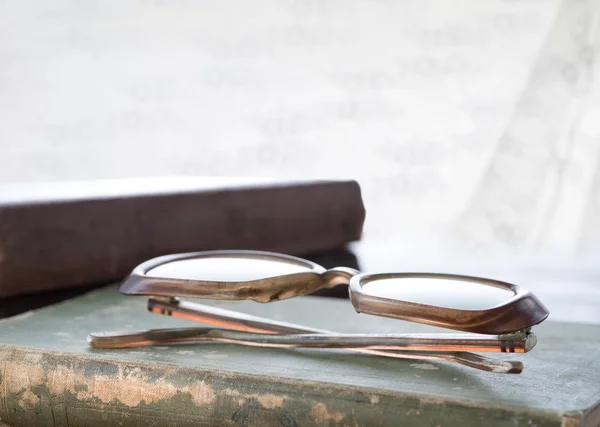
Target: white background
x=473 y=127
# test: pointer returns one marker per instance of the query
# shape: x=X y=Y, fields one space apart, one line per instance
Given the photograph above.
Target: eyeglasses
x=497 y=316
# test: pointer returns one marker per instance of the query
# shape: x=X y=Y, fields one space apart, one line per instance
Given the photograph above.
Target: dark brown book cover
x=59 y=235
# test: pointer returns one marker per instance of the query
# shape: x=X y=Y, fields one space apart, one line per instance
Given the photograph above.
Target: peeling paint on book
x=55 y=388
x=29 y=399
x=129 y=386
x=268 y=401
x=320 y=414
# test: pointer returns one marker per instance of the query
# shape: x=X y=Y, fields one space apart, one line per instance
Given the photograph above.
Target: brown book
x=59 y=235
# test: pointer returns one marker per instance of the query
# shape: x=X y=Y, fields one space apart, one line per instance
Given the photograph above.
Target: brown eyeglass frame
x=510 y=321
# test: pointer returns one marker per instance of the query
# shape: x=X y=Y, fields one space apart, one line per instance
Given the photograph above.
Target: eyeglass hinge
x=523 y=333
x=166 y=300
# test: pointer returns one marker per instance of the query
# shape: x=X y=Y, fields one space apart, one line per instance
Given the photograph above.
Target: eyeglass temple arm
x=412 y=342
x=517 y=343
x=248 y=323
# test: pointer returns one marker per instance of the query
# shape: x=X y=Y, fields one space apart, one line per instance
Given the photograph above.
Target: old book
x=49 y=376
x=57 y=235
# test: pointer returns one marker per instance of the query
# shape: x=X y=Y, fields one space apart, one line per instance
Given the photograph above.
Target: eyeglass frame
x=163 y=294
x=523 y=310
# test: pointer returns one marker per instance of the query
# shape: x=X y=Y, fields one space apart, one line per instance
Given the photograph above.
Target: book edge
x=353 y=393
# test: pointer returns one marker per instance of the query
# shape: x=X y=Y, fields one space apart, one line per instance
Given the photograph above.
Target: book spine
x=68 y=243
x=61 y=389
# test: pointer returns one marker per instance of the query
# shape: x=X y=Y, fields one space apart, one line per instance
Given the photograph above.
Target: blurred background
x=472 y=127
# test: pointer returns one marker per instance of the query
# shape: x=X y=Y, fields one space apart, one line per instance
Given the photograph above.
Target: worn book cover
x=50 y=377
x=65 y=234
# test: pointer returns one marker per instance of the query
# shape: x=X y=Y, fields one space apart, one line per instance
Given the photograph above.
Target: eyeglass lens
x=440 y=292
x=227 y=268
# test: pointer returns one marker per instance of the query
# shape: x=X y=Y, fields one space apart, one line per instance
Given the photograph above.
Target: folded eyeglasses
x=504 y=325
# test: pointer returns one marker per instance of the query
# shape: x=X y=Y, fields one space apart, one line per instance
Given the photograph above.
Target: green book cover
x=50 y=377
